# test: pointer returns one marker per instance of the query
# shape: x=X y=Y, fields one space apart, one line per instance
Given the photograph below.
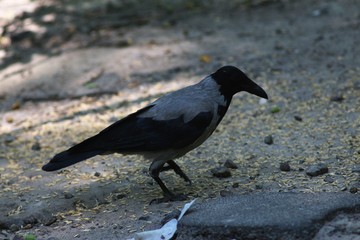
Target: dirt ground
x=69 y=69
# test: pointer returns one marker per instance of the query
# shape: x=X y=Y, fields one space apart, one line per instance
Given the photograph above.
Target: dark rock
x=353 y=190
x=221 y=172
x=225 y=193
x=36 y=146
x=298 y=118
x=174 y=214
x=144 y=218
x=354 y=186
x=285 y=167
x=68 y=195
x=118 y=196
x=337 y=98
x=230 y=164
x=269 y=140
x=50 y=220
x=317 y=169
x=97 y=174
x=235 y=185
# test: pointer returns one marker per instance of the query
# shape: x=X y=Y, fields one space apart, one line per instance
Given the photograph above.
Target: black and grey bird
x=167 y=128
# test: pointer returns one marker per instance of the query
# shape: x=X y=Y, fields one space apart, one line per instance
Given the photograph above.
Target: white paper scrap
x=263 y=101
x=185 y=208
x=167 y=231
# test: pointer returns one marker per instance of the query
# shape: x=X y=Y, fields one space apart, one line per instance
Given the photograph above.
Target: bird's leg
x=155 y=170
x=154 y=173
x=177 y=170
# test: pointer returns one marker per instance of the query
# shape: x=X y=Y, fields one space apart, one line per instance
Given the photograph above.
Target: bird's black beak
x=257 y=90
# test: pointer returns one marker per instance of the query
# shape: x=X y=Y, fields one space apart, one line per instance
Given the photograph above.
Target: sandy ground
x=59 y=90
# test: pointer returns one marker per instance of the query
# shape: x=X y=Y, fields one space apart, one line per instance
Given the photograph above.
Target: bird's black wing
x=137 y=134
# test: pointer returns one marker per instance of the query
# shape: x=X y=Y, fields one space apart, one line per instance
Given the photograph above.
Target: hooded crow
x=167 y=128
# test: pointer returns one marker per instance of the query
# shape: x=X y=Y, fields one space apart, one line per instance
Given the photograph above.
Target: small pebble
x=221 y=172
x=50 y=221
x=337 y=98
x=285 y=167
x=269 y=140
x=97 y=174
x=68 y=195
x=144 y=218
x=36 y=146
x=298 y=118
x=230 y=164
x=120 y=196
x=225 y=193
x=353 y=189
x=317 y=169
x=235 y=185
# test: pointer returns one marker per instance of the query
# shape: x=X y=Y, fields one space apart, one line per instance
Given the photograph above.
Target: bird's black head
x=232 y=80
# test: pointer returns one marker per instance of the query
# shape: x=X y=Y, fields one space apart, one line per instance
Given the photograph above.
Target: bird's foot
x=169 y=198
x=189 y=183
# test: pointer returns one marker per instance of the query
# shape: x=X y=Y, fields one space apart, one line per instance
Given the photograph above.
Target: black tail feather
x=67 y=158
